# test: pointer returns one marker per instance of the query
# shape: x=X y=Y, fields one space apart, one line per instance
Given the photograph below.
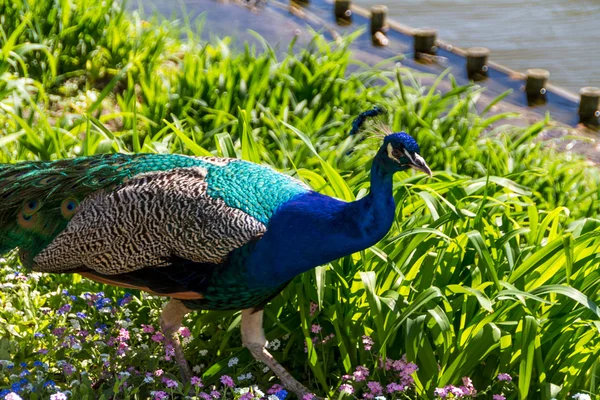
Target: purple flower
x=158 y=337
x=215 y=394
x=315 y=328
x=367 y=342
x=308 y=396
x=394 y=387
x=81 y=315
x=147 y=328
x=361 y=373
x=498 y=397
x=170 y=383
x=313 y=308
x=275 y=388
x=185 y=331
x=247 y=396
x=159 y=395
x=226 y=380
x=375 y=387
x=504 y=377
x=196 y=381
x=38 y=335
x=345 y=388
x=205 y=396
x=124 y=300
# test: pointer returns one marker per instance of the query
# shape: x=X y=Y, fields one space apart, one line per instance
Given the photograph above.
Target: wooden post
x=535 y=86
x=589 y=105
x=342 y=11
x=477 y=62
x=424 y=41
x=378 y=15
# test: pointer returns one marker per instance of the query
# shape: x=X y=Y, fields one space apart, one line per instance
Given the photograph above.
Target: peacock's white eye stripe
x=390 y=151
x=410 y=157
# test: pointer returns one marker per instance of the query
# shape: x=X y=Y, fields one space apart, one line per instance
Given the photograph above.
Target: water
x=562 y=36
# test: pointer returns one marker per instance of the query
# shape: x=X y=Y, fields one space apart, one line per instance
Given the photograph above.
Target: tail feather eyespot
x=27 y=221
x=30 y=207
x=68 y=207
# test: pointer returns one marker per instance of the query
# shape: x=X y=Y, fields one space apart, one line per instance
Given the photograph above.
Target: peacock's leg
x=170 y=322
x=253 y=337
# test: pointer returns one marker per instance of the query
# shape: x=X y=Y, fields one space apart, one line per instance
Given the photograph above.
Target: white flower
x=265 y=370
x=272 y=397
x=232 y=361
x=582 y=396
x=380 y=398
x=274 y=345
x=197 y=369
x=203 y=352
x=286 y=336
x=259 y=393
x=148 y=379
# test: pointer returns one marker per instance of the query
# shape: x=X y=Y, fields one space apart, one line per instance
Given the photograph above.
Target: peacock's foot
x=253 y=338
x=170 y=322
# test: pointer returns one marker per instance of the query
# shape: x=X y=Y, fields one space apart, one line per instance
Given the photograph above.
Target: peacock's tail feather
x=37 y=199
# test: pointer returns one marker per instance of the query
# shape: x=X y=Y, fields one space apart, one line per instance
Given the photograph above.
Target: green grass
x=490 y=267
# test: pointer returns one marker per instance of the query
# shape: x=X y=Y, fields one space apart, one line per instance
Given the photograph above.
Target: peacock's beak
x=418 y=163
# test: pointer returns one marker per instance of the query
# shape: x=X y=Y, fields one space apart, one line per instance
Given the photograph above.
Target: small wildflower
x=58 y=396
x=197 y=369
x=274 y=389
x=361 y=373
x=196 y=381
x=498 y=397
x=282 y=394
x=203 y=352
x=147 y=328
x=215 y=394
x=345 y=388
x=158 y=372
x=12 y=396
x=158 y=337
x=581 y=396
x=227 y=381
x=367 y=342
x=185 y=332
x=232 y=361
x=313 y=308
x=316 y=328
x=170 y=383
x=375 y=387
x=308 y=396
x=504 y=377
x=159 y=395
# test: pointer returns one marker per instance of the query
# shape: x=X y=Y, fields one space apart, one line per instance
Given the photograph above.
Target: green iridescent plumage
x=39 y=198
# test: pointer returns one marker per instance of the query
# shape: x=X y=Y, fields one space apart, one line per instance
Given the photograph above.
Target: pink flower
x=308 y=396
x=367 y=342
x=316 y=328
x=158 y=337
x=375 y=387
x=55 y=396
x=504 y=377
x=158 y=372
x=147 y=328
x=313 y=308
x=468 y=389
x=226 y=380
x=368 y=396
x=123 y=335
x=205 y=396
x=215 y=394
x=185 y=331
x=345 y=388
x=275 y=388
x=498 y=397
x=196 y=381
x=347 y=377
x=361 y=373
x=247 y=396
x=441 y=392
x=14 y=396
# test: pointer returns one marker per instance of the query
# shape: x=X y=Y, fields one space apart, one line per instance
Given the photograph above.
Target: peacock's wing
x=148 y=221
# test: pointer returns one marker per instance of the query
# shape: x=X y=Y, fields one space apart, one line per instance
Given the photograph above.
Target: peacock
x=210 y=233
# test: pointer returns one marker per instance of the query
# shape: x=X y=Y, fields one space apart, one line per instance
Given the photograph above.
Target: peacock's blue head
x=399 y=152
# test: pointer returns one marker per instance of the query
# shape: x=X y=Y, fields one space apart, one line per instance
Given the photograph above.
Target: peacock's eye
x=397 y=153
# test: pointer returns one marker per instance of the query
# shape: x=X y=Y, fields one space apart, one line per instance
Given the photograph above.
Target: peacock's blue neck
x=313 y=229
